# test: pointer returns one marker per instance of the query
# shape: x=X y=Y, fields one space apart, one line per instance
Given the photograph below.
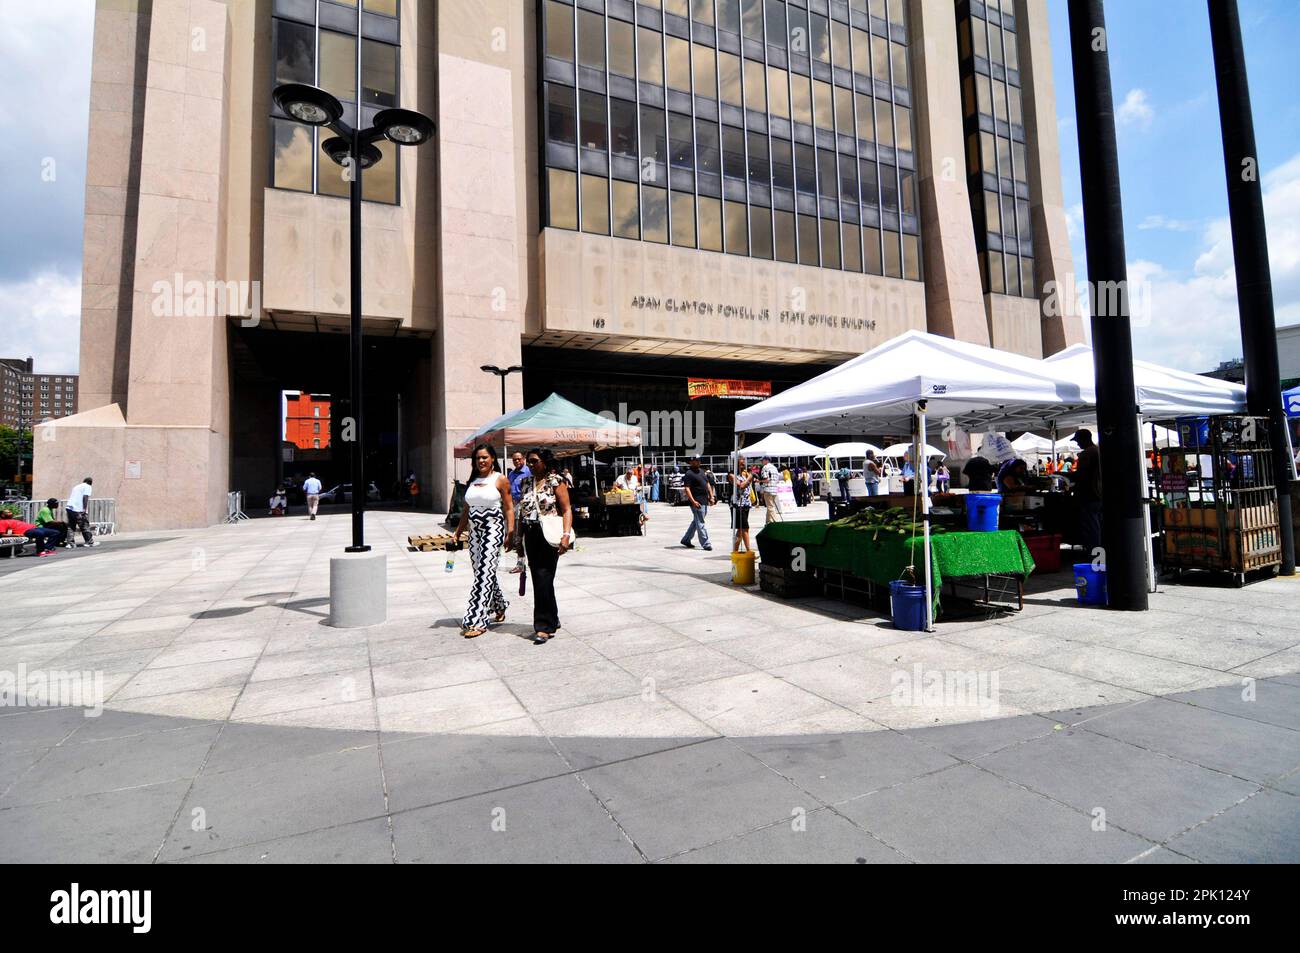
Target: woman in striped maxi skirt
x=489 y=516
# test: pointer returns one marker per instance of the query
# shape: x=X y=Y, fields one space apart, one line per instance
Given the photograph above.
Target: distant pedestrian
x=517 y=475
x=741 y=504
x=77 y=506
x=698 y=490
x=311 y=487
x=545 y=501
x=489 y=515
x=771 y=485
x=871 y=473
x=842 y=477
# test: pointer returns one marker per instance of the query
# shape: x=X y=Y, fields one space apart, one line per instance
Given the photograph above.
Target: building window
x=353 y=54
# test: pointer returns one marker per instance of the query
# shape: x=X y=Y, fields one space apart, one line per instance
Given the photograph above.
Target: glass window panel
x=622 y=55
x=778 y=92
x=759 y=171
x=591 y=39
x=1004 y=157
x=681 y=8
x=820 y=37
x=386 y=7
x=755 y=86
x=906 y=192
x=1018 y=154
x=654 y=214
x=681 y=146
x=870 y=189
x=760 y=232
x=848 y=179
x=830 y=243
x=884 y=124
x=562 y=193
x=988 y=155
x=1022 y=218
x=865 y=125
x=1027 y=277
x=622 y=127
x=896 y=13
x=736 y=227
x=626 y=210
x=378 y=74
x=992 y=212
x=899 y=54
x=807 y=240
x=560 y=120
x=1009 y=216
x=997 y=284
x=893 y=259
x=329 y=178
x=776 y=23
x=888 y=188
x=729 y=78
x=786 y=245
x=844 y=110
x=798 y=29
x=733 y=152
x=706 y=146
x=851 y=245
x=880 y=58
x=1014 y=114
x=591 y=121
x=782 y=164
x=800 y=99
x=968 y=95
x=963 y=38
x=823 y=105
x=827 y=176
x=861 y=52
x=751 y=14
x=999 y=100
x=981 y=39
x=654 y=136
x=702 y=10
x=706 y=76
x=649 y=56
x=805 y=169
x=871 y=251
x=679 y=64
x=729 y=15
x=595 y=204
x=877 y=8
x=1012 y=60
x=995 y=44
x=683 y=219
x=903 y=128
x=710 y=212
x=295 y=53
x=840 y=44
x=984 y=94
x=559 y=30
x=1013 y=274
x=911 y=258
x=293 y=154
x=338 y=65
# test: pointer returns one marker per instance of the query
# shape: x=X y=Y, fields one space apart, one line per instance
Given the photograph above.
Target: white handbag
x=553 y=531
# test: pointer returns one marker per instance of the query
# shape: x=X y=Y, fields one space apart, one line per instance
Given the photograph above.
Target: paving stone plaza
x=675 y=717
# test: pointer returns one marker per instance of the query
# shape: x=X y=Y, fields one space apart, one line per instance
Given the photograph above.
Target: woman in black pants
x=544 y=494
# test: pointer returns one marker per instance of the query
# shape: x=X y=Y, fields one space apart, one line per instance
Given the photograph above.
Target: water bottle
x=451 y=557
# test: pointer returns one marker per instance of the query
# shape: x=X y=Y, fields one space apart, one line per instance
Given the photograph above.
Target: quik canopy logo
x=102 y=907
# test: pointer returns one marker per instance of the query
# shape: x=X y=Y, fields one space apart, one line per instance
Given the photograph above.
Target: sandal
x=541 y=638
x=472 y=633
x=501 y=616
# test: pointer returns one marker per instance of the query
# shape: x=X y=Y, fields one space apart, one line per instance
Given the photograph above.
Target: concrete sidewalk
x=674 y=717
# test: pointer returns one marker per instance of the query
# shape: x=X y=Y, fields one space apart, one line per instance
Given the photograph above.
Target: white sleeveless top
x=482 y=493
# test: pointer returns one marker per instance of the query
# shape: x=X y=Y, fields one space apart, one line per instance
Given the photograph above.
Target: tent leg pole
x=1146 y=510
x=923 y=477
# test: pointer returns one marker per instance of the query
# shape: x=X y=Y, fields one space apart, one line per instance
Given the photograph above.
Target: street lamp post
x=503 y=373
x=354 y=149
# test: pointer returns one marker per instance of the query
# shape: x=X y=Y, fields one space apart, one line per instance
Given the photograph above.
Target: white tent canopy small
x=898 y=449
x=1032 y=443
x=1162 y=392
x=781 y=445
x=839 y=451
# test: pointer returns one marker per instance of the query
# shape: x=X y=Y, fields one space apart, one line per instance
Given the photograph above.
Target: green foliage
x=11 y=441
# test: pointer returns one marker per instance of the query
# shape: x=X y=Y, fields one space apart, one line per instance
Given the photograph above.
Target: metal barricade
x=101 y=514
x=235 y=507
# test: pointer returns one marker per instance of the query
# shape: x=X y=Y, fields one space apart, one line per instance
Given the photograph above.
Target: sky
x=1171 y=167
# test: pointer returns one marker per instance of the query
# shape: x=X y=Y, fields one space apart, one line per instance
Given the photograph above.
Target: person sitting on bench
x=45 y=520
x=9 y=526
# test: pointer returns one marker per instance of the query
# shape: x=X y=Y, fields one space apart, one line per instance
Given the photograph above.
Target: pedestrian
x=771 y=485
x=698 y=489
x=842 y=477
x=871 y=473
x=518 y=473
x=311 y=487
x=628 y=481
x=1086 y=477
x=654 y=485
x=412 y=486
x=489 y=515
x=741 y=504
x=278 y=503
x=45 y=520
x=77 y=507
x=941 y=478
x=548 y=535
x=42 y=538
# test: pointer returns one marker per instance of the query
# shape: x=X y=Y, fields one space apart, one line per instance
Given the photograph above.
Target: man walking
x=311 y=487
x=516 y=477
x=698 y=490
x=77 y=506
x=771 y=477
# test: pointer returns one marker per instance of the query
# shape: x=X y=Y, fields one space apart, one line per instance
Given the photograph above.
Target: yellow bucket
x=742 y=569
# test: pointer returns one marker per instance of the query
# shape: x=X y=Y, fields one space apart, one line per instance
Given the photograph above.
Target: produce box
x=620 y=497
x=428 y=544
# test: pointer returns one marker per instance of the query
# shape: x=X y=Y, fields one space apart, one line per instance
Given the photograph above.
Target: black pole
x=503 y=394
x=1123 y=482
x=1250 y=253
x=354 y=355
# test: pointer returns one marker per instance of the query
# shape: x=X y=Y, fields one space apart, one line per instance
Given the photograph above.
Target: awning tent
x=557 y=424
x=1162 y=392
x=1032 y=443
x=781 y=445
x=850 y=450
x=899 y=449
x=973 y=387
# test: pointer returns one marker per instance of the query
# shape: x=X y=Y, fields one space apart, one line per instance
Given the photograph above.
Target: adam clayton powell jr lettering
x=102 y=907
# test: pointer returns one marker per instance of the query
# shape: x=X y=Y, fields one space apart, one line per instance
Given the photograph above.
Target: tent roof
x=898 y=449
x=1162 y=392
x=781 y=445
x=875 y=392
x=1032 y=443
x=556 y=423
x=837 y=450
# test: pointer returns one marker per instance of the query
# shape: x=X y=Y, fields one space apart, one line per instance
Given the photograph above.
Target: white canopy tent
x=850 y=450
x=1162 y=392
x=898 y=449
x=781 y=445
x=1032 y=443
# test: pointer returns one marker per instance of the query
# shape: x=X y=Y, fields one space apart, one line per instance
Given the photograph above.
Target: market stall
x=783 y=447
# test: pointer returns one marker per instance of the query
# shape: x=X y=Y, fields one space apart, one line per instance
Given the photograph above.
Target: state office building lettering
x=746 y=313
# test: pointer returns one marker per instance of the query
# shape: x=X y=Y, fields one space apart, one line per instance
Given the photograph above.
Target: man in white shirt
x=627 y=481
x=311 y=487
x=771 y=482
x=77 y=504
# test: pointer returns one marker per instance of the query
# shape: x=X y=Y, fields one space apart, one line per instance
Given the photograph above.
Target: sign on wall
x=717 y=387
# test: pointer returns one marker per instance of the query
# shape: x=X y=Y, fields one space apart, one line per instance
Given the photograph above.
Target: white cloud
x=1074 y=221
x=1135 y=110
x=1166 y=224
x=42 y=320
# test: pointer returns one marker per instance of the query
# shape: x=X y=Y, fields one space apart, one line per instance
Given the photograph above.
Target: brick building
x=28 y=398
x=307 y=420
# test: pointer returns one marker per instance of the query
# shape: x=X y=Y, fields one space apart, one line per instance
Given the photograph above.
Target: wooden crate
x=787 y=583
x=429 y=544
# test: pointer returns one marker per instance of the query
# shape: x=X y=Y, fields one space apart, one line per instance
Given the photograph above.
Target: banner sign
x=713 y=387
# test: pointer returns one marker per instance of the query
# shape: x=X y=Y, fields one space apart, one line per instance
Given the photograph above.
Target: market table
x=882 y=557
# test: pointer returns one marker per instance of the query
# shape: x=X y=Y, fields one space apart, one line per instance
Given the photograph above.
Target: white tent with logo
x=1162 y=393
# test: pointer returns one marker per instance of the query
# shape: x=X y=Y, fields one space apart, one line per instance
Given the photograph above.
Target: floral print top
x=537 y=499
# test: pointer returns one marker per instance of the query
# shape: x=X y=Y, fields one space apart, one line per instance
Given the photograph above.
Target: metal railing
x=100 y=514
x=235 y=507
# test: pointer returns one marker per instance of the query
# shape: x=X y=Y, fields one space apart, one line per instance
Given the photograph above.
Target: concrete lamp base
x=358 y=590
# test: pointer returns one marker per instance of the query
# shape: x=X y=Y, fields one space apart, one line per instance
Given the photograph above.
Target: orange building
x=307 y=420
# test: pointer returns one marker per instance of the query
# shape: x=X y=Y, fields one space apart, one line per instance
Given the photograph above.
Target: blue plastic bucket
x=1090 y=584
x=907 y=605
x=982 y=512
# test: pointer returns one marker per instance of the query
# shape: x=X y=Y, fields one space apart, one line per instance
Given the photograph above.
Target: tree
x=11 y=443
